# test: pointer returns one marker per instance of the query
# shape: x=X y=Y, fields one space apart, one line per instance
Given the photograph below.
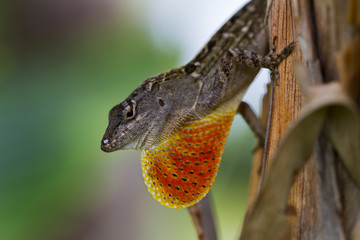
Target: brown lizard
x=180 y=119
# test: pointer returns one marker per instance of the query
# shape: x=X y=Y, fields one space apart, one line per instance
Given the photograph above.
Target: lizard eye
x=129 y=112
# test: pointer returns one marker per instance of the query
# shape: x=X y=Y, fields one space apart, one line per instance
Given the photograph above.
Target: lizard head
x=129 y=124
x=136 y=123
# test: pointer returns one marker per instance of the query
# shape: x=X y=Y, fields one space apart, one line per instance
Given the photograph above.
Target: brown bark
x=324 y=199
x=287 y=102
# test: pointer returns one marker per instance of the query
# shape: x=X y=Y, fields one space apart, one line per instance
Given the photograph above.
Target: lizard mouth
x=111 y=145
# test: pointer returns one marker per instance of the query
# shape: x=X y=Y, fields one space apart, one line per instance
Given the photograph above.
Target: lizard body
x=180 y=119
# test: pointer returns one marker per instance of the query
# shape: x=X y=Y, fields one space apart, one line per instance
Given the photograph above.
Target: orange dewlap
x=180 y=171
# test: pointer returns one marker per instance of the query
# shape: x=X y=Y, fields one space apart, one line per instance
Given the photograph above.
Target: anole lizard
x=180 y=119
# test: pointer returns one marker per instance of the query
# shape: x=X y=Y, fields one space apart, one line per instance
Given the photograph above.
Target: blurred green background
x=64 y=64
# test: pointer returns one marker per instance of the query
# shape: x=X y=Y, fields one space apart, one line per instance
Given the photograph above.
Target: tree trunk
x=323 y=202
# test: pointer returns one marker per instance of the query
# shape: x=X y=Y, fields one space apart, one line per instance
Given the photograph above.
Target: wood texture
x=324 y=200
x=287 y=104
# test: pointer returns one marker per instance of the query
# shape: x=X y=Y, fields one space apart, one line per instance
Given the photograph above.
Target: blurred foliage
x=57 y=84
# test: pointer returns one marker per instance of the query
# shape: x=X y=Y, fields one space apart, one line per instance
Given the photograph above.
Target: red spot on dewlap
x=180 y=171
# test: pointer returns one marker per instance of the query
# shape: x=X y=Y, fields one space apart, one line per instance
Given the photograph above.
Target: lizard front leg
x=236 y=56
x=271 y=61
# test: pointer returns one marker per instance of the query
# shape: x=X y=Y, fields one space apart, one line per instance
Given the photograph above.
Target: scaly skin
x=180 y=119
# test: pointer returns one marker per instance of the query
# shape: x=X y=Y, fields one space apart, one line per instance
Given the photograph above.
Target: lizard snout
x=105 y=145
